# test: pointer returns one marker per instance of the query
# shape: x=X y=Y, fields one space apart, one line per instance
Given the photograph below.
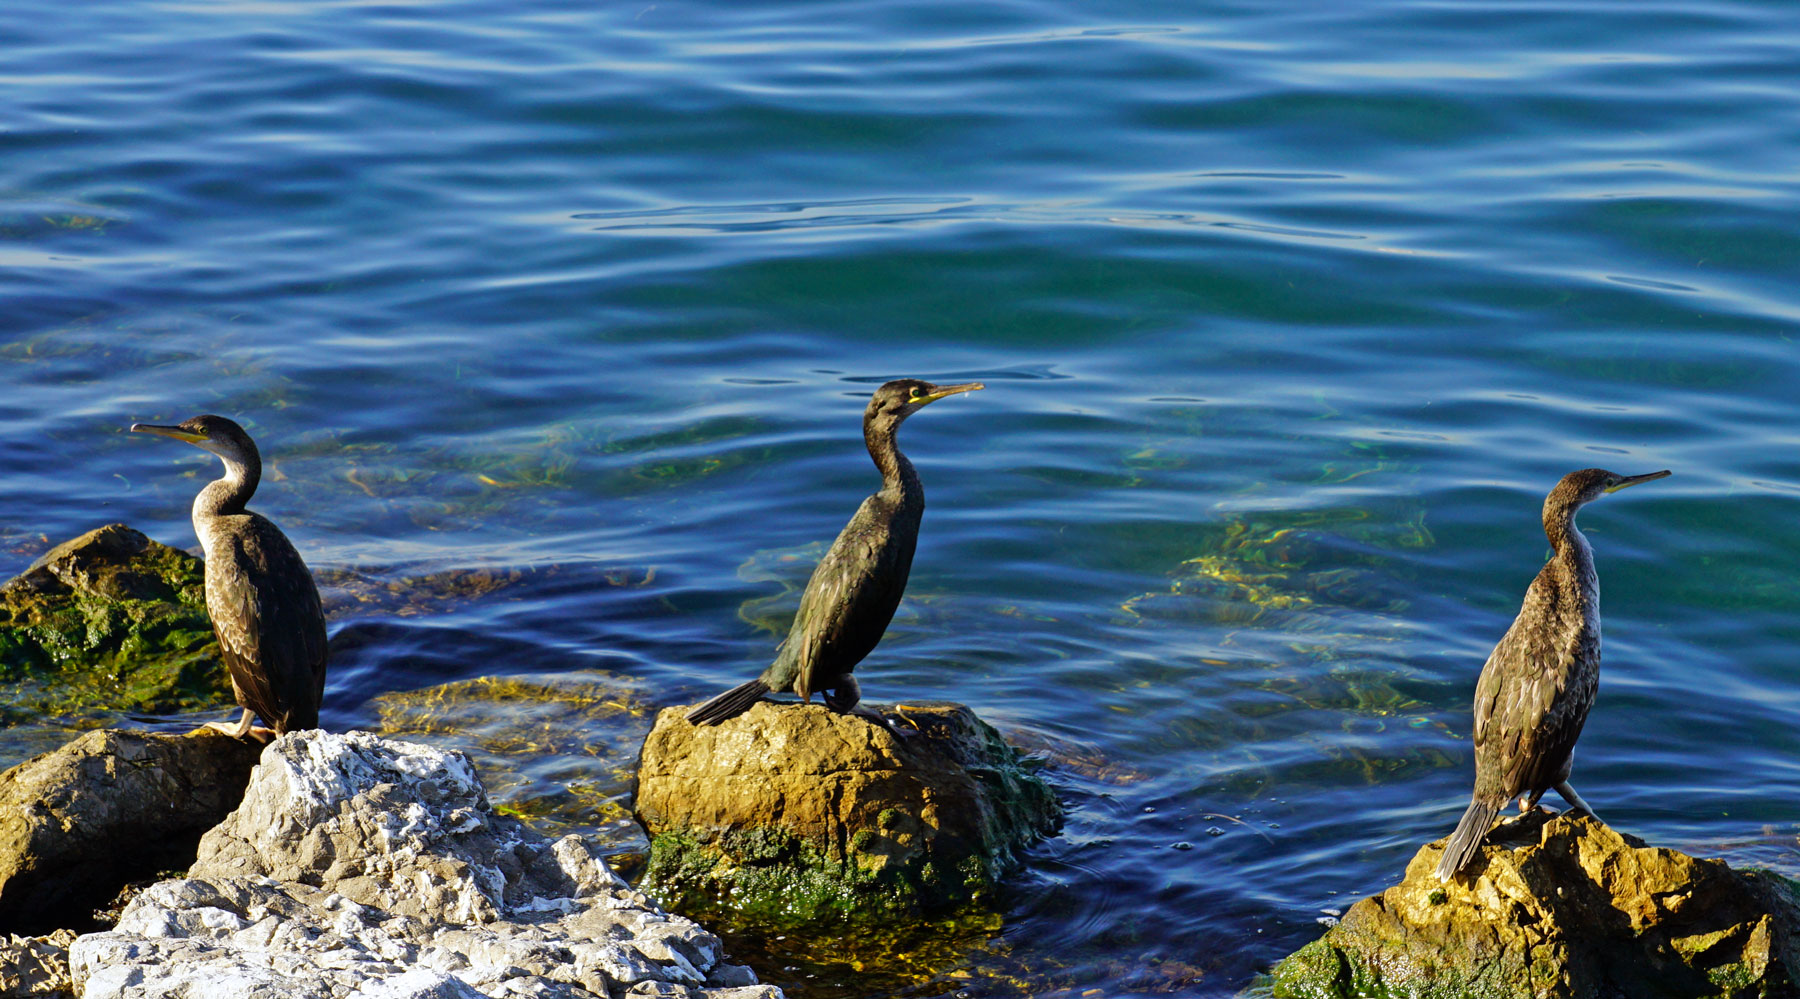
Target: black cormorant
x=1540 y=681
x=261 y=598
x=858 y=584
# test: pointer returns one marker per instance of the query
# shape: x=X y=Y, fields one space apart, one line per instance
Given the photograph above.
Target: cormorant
x=261 y=598
x=858 y=584
x=1539 y=682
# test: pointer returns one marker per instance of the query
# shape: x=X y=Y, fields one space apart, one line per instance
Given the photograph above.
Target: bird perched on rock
x=261 y=598
x=1539 y=682
x=858 y=584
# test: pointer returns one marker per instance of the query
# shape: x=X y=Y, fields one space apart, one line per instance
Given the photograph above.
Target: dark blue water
x=1289 y=316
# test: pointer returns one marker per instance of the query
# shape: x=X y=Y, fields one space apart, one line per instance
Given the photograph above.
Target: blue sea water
x=1289 y=315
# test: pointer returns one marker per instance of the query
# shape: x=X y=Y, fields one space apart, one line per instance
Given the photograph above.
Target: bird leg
x=846 y=699
x=1579 y=807
x=245 y=727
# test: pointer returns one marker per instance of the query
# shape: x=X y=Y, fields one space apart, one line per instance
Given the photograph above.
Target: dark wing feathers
x=1530 y=703
x=266 y=613
x=851 y=597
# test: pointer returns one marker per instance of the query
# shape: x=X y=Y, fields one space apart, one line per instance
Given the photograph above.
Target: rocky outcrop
x=110 y=620
x=360 y=865
x=36 y=966
x=1561 y=907
x=111 y=807
x=792 y=814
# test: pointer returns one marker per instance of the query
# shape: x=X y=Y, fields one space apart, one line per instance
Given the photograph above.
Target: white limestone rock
x=35 y=966
x=365 y=867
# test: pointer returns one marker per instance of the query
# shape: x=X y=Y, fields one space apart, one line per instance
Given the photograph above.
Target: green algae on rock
x=793 y=815
x=113 y=621
x=1578 y=910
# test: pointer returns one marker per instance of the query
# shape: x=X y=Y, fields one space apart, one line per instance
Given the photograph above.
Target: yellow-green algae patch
x=556 y=750
x=1291 y=567
x=967 y=954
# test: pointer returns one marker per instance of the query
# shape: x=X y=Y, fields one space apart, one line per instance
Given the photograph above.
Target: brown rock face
x=793 y=813
x=109 y=808
x=1578 y=910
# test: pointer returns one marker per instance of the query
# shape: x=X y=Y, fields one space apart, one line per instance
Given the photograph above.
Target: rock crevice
x=65 y=816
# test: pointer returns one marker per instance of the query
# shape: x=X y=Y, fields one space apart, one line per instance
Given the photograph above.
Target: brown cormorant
x=261 y=598
x=1539 y=682
x=858 y=584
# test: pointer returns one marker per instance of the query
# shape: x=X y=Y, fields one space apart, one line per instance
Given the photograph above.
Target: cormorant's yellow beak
x=175 y=432
x=1632 y=480
x=944 y=390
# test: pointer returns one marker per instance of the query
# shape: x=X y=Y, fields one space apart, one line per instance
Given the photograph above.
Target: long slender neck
x=227 y=494
x=1569 y=542
x=897 y=475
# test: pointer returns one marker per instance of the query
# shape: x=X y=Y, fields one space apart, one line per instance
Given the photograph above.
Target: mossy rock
x=111 y=621
x=1560 y=908
x=793 y=815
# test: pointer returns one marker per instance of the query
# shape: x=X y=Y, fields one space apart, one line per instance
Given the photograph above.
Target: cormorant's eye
x=917 y=392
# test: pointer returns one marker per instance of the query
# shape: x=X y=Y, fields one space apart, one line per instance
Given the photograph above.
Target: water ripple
x=1288 y=319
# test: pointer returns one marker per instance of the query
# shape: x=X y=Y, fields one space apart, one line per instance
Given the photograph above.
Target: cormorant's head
x=1590 y=484
x=217 y=434
x=903 y=397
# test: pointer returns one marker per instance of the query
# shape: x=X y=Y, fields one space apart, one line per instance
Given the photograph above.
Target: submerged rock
x=360 y=865
x=111 y=807
x=1578 y=910
x=792 y=814
x=557 y=750
x=110 y=620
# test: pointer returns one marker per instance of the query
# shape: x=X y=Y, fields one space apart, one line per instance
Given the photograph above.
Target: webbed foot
x=846 y=699
x=245 y=726
x=883 y=720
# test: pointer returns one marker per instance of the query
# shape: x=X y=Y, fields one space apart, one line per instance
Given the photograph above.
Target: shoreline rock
x=361 y=865
x=1576 y=910
x=792 y=814
x=36 y=966
x=109 y=808
x=111 y=620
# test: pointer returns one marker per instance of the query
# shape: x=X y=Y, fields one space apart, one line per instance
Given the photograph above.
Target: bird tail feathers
x=1465 y=842
x=730 y=704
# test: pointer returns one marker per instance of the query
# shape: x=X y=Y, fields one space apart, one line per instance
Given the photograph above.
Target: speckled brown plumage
x=1540 y=681
x=262 y=600
x=265 y=611
x=857 y=586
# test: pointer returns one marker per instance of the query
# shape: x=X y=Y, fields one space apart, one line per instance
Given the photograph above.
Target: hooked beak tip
x=949 y=390
x=1632 y=480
